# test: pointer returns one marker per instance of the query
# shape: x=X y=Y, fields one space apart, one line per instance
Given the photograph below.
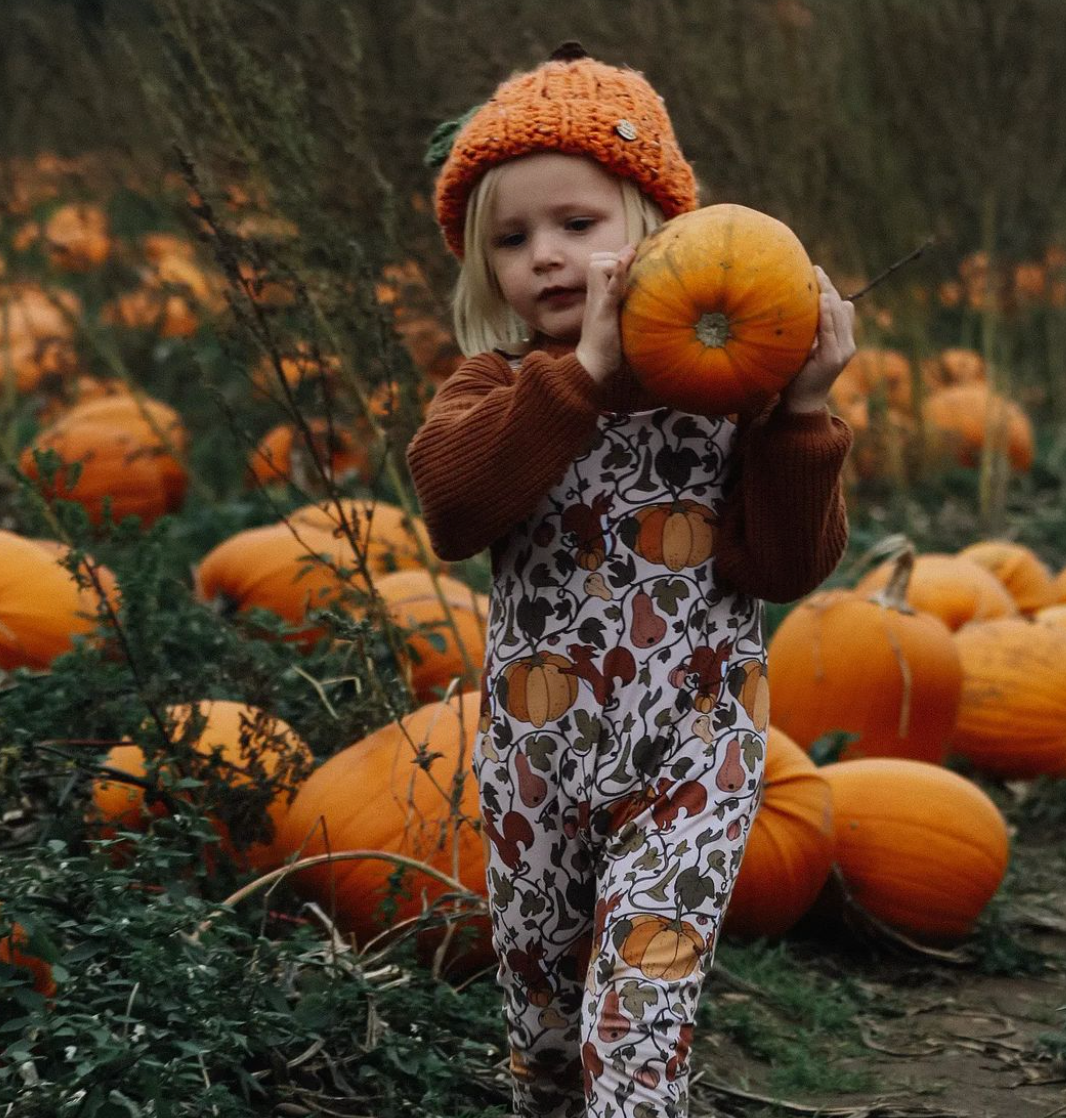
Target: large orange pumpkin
x=272 y=568
x=1025 y=575
x=1012 y=716
x=950 y=587
x=130 y=449
x=389 y=535
x=959 y=419
x=790 y=848
x=721 y=309
x=919 y=846
x=412 y=602
x=866 y=665
x=42 y=608
x=252 y=748
x=392 y=791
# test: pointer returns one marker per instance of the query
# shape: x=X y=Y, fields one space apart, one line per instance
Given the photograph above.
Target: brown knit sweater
x=496 y=439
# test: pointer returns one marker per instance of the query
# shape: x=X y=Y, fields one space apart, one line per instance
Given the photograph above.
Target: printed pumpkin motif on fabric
x=619 y=759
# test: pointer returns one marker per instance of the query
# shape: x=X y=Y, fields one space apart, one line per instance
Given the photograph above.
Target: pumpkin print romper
x=619 y=760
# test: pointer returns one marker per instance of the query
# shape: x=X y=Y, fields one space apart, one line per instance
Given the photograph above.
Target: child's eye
x=509 y=240
x=579 y=224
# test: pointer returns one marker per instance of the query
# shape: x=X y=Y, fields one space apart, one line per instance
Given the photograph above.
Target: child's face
x=551 y=212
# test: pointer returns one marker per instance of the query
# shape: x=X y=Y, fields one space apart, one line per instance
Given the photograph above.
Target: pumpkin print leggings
x=606 y=907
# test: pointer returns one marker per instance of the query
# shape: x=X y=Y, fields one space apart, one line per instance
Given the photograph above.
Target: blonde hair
x=483 y=319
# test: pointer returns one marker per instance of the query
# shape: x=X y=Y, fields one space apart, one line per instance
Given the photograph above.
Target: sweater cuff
x=566 y=379
x=817 y=433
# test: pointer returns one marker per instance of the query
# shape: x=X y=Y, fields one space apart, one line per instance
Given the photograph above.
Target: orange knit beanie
x=575 y=105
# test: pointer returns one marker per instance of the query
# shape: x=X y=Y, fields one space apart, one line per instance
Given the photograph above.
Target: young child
x=619 y=754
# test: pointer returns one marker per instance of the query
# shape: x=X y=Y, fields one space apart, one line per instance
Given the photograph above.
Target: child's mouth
x=560 y=295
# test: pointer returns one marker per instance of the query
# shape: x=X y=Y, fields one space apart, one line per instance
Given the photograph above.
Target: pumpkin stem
x=712 y=329
x=894 y=594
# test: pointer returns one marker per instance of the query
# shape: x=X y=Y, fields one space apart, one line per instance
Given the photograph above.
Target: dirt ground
x=951 y=1041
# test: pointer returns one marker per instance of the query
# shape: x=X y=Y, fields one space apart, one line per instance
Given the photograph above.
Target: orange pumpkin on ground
x=1025 y=575
x=12 y=952
x=80 y=390
x=412 y=601
x=400 y=805
x=919 y=847
x=885 y=373
x=42 y=608
x=867 y=665
x=721 y=309
x=37 y=328
x=388 y=535
x=283 y=454
x=885 y=447
x=959 y=419
x=1012 y=715
x=252 y=748
x=790 y=847
x=272 y=568
x=130 y=449
x=77 y=237
x=953 y=366
x=662 y=948
x=173 y=294
x=950 y=587
x=297 y=368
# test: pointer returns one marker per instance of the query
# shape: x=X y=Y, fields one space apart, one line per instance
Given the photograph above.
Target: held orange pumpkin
x=1012 y=716
x=919 y=846
x=392 y=792
x=790 y=847
x=866 y=665
x=721 y=309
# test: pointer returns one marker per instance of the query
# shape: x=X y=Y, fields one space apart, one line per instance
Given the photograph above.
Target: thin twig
x=912 y=255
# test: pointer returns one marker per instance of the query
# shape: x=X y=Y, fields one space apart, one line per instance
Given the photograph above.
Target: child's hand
x=600 y=347
x=833 y=348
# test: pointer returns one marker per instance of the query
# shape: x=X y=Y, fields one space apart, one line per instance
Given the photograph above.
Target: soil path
x=937 y=1039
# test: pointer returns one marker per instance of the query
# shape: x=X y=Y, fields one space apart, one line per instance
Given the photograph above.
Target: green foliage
x=153 y=1016
x=789 y=1014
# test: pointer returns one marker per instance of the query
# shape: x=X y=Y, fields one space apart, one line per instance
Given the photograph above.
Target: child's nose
x=546 y=251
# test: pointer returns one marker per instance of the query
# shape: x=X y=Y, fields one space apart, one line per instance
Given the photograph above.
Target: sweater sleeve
x=494 y=442
x=784 y=525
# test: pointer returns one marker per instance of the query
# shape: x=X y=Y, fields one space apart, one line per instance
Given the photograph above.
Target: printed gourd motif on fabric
x=621 y=744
